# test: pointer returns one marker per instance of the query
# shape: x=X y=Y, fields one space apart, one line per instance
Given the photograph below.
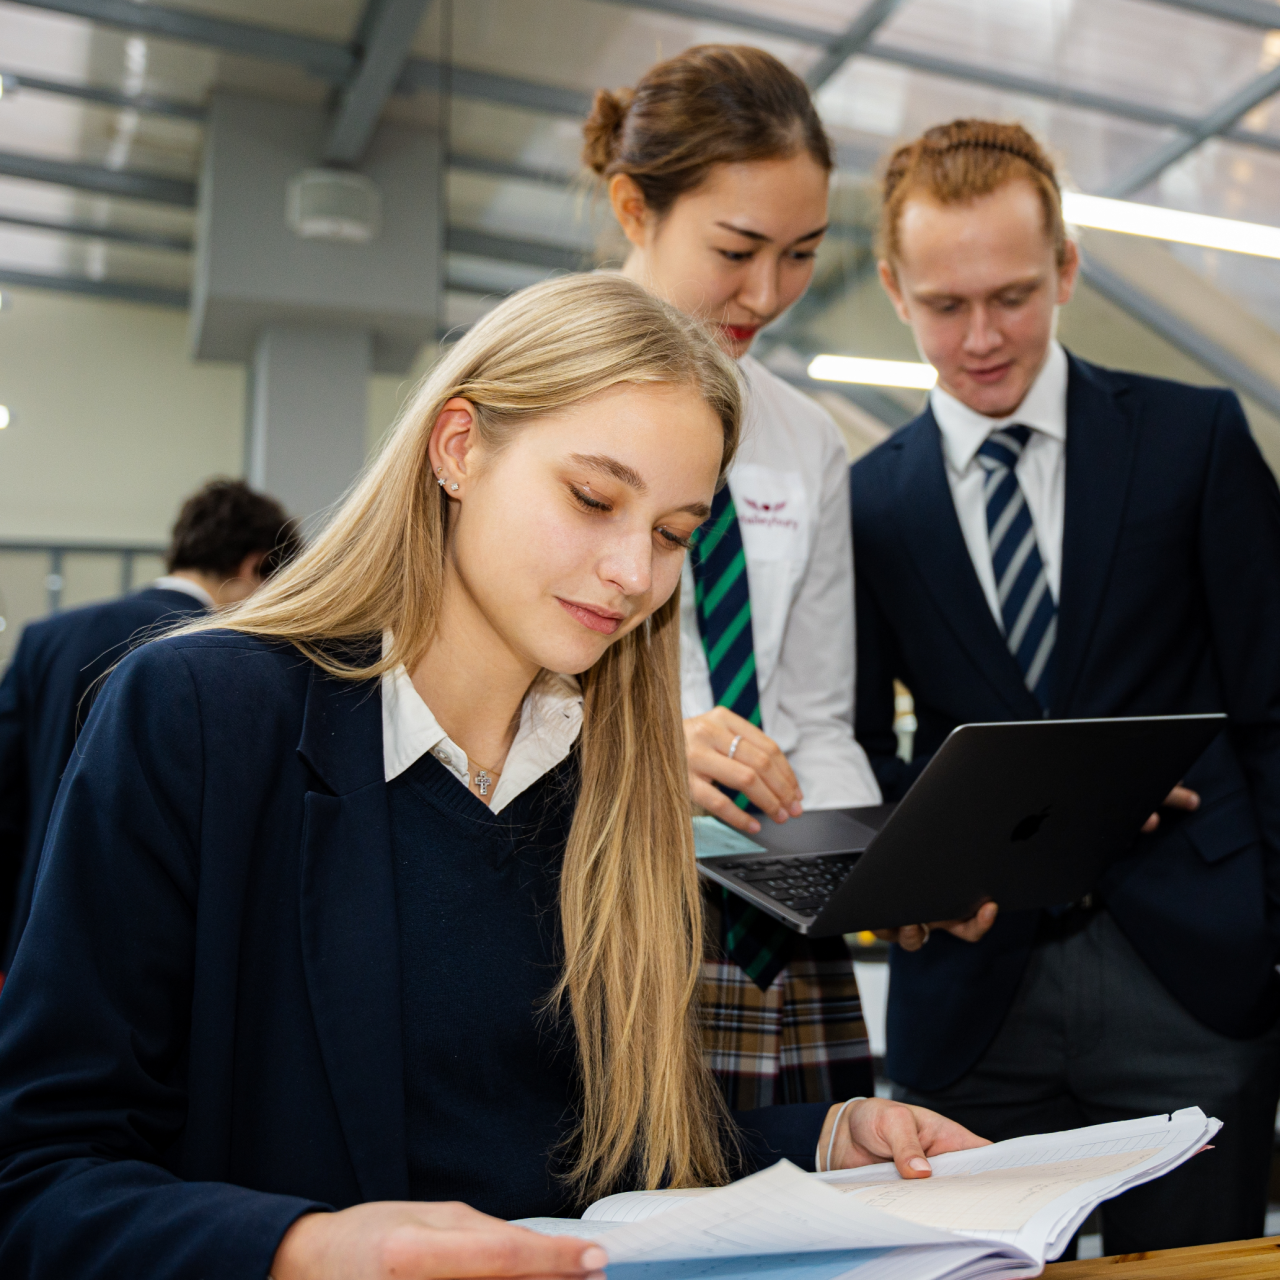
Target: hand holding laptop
x=911 y=937
x=1179 y=798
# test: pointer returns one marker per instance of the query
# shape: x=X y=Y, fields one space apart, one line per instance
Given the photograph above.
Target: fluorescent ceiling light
x=876 y=373
x=1171 y=224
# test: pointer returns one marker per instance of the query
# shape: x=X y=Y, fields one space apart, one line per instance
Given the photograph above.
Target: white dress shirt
x=1041 y=469
x=550 y=721
x=171 y=582
x=790 y=487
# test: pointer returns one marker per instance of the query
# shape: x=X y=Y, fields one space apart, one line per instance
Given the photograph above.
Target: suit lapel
x=1101 y=443
x=937 y=546
x=349 y=935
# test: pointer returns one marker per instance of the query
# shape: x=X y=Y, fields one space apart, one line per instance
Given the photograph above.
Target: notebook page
x=936 y=1262
x=779 y=1210
x=635 y=1206
x=1025 y=1191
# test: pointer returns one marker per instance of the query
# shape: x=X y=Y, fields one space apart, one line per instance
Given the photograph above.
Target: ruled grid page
x=780 y=1210
x=1032 y=1192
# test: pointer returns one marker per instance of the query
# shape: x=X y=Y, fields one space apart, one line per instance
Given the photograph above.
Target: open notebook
x=1003 y=1210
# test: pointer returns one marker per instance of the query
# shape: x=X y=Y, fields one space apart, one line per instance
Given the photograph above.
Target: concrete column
x=305 y=438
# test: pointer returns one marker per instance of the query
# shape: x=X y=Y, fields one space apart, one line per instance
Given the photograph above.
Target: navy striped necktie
x=754 y=941
x=1027 y=608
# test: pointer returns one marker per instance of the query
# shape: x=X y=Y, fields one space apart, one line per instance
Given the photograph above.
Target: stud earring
x=453 y=487
x=440 y=482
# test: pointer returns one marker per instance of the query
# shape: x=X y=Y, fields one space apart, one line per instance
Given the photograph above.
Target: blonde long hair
x=629 y=902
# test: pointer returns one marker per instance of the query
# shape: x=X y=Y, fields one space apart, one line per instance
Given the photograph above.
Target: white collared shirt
x=171 y=582
x=790 y=488
x=550 y=721
x=1041 y=469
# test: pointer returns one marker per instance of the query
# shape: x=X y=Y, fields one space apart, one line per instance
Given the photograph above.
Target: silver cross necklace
x=484 y=778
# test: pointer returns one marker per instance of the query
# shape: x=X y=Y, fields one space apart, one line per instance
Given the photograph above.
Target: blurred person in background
x=226 y=542
x=1051 y=538
x=718 y=170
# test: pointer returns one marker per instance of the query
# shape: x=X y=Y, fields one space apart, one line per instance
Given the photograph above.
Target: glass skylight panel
x=523 y=211
x=611 y=44
x=1138 y=50
x=873 y=103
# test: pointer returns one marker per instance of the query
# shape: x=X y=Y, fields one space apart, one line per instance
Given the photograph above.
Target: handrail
x=55 y=581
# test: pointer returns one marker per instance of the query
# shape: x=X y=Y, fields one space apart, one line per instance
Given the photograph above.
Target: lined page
x=779 y=1210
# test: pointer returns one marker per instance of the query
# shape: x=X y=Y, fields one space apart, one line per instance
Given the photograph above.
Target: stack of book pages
x=1002 y=1211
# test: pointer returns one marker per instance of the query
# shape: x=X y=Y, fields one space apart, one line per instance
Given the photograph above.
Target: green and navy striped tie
x=757 y=943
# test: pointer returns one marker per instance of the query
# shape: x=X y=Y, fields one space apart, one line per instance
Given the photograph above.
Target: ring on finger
x=733 y=747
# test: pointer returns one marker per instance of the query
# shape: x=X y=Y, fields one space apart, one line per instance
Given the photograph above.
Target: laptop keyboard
x=802 y=883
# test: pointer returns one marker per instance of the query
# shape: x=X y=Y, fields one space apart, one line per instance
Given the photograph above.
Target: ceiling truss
x=377 y=63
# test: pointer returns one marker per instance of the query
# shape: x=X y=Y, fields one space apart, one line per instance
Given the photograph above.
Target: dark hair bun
x=603 y=128
x=712 y=104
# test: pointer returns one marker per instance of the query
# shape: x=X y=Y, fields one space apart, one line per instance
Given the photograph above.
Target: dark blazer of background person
x=200 y=1036
x=44 y=700
x=1170 y=603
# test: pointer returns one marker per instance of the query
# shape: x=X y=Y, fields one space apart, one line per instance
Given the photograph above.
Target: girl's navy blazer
x=200 y=1034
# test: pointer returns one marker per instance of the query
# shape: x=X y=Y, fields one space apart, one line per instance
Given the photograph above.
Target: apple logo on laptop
x=1030 y=824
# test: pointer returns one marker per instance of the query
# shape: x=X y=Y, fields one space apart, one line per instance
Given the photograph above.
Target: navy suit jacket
x=1170 y=603
x=44 y=701
x=200 y=1036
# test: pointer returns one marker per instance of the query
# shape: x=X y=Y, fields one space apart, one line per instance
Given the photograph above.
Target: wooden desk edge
x=1236 y=1260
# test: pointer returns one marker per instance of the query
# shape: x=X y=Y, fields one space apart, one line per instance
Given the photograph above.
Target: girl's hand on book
x=427 y=1241
x=872 y=1130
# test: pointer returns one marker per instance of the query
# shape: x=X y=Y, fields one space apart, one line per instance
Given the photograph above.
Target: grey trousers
x=1093 y=1036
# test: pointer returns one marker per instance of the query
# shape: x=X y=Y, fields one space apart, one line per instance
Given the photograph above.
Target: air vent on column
x=333 y=204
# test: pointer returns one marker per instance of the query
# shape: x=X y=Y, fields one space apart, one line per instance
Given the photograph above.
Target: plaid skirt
x=802 y=1040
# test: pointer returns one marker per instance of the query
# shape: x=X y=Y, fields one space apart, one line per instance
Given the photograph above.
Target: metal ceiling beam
x=696 y=11
x=1175 y=330
x=1030 y=87
x=483 y=244
x=144 y=103
x=385 y=37
x=86 y=230
x=1214 y=124
x=119 y=290
x=488 y=86
x=173 y=191
x=324 y=58
x=94 y=177
x=334 y=62
x=854 y=38
x=511 y=170
x=126 y=291
x=1250 y=13
x=330 y=61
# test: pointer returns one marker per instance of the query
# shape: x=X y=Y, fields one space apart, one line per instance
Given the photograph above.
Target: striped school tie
x=1026 y=603
x=757 y=943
